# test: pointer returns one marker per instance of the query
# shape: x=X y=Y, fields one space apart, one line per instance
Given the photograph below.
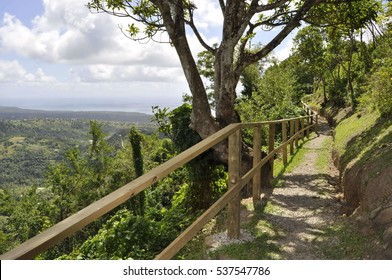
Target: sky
x=57 y=55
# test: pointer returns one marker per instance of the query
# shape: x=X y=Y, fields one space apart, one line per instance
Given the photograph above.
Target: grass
x=357 y=135
x=342 y=241
x=194 y=250
x=264 y=245
x=293 y=161
x=324 y=156
x=262 y=248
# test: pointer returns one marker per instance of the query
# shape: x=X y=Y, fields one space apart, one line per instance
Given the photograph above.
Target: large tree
x=241 y=20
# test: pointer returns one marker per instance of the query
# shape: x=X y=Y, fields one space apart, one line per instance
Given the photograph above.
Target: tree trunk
x=202 y=120
x=324 y=91
x=349 y=72
x=225 y=86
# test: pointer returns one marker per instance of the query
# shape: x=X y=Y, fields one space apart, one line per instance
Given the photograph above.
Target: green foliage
x=161 y=117
x=126 y=236
x=380 y=88
x=135 y=138
x=28 y=147
x=205 y=64
x=308 y=60
x=334 y=53
x=183 y=136
x=345 y=15
x=206 y=177
x=379 y=83
x=25 y=215
x=273 y=98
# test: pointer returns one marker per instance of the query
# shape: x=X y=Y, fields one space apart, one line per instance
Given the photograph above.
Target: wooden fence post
x=284 y=139
x=316 y=126
x=256 y=158
x=271 y=146
x=302 y=127
x=296 y=132
x=307 y=125
x=233 y=215
x=291 y=135
x=311 y=117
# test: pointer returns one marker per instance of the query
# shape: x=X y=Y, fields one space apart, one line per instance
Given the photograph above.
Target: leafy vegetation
x=28 y=147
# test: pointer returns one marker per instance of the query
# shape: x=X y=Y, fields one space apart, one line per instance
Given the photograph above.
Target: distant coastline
x=88 y=105
x=16 y=113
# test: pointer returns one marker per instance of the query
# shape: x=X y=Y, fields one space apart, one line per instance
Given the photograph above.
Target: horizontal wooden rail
x=67 y=227
x=253 y=124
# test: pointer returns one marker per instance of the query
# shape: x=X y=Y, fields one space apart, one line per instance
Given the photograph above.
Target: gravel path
x=306 y=202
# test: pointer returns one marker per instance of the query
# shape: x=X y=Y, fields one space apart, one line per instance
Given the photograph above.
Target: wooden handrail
x=67 y=227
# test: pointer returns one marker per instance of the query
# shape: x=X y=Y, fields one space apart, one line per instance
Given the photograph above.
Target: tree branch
x=223 y=6
x=268 y=7
x=255 y=8
x=191 y=23
x=248 y=59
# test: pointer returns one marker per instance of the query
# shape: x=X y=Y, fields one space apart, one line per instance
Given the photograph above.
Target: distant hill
x=14 y=113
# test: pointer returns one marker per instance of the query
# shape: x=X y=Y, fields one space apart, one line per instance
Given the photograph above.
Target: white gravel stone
x=220 y=239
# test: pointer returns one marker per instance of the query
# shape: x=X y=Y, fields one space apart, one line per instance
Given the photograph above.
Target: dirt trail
x=306 y=202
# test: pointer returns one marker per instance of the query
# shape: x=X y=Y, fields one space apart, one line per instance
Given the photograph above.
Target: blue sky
x=55 y=54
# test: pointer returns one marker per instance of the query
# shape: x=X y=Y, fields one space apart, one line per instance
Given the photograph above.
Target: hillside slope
x=363 y=155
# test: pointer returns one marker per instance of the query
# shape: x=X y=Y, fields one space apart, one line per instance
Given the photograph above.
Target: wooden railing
x=292 y=130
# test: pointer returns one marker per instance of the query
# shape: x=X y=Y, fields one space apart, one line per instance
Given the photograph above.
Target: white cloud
x=68 y=33
x=14 y=72
x=283 y=53
x=121 y=73
x=208 y=14
x=91 y=44
x=14 y=36
x=284 y=50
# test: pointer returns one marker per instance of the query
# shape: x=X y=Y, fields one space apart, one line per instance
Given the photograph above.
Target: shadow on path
x=305 y=206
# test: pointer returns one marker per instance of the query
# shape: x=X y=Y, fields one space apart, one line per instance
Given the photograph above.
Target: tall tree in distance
x=343 y=23
x=135 y=138
x=308 y=54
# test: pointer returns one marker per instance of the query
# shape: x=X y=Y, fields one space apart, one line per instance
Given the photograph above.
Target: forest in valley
x=51 y=168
